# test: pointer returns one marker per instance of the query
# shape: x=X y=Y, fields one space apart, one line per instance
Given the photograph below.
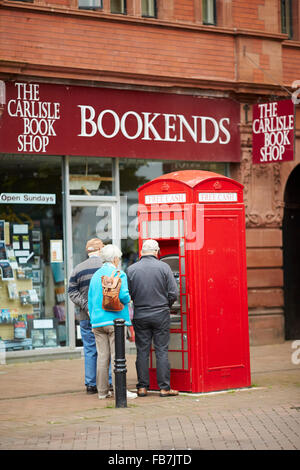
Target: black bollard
x=120 y=364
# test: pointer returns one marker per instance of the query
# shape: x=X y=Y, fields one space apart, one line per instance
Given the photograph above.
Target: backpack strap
x=114 y=272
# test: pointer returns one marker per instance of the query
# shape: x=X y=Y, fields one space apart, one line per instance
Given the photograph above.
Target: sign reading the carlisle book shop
x=52 y=119
x=273 y=132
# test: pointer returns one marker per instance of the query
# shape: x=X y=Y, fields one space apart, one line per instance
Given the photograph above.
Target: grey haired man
x=153 y=289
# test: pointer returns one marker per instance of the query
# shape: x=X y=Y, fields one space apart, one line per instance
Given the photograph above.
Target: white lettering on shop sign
x=217 y=197
x=276 y=132
x=27 y=198
x=164 y=198
x=38 y=117
x=175 y=126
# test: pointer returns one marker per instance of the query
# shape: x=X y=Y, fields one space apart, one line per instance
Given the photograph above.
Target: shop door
x=291 y=255
x=90 y=221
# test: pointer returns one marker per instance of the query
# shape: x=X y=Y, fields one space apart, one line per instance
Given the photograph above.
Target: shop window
x=209 y=12
x=149 y=8
x=287 y=18
x=32 y=292
x=90 y=176
x=90 y=4
x=118 y=6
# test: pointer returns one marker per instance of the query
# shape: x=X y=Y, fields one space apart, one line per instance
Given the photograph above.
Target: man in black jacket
x=153 y=290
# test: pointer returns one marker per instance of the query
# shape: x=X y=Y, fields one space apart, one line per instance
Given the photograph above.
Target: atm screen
x=173 y=262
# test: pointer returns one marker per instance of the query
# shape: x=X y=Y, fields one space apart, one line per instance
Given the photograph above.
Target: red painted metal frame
x=216 y=282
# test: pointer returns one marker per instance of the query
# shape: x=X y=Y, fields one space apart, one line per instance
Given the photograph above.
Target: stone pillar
x=263 y=197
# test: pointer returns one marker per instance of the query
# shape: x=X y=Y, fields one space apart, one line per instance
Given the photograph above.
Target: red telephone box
x=198 y=219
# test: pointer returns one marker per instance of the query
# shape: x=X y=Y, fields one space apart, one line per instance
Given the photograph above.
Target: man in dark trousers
x=153 y=289
x=78 y=292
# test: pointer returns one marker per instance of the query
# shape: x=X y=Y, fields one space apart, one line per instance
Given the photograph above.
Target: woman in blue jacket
x=102 y=321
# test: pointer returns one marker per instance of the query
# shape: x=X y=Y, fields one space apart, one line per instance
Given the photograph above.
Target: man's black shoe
x=91 y=389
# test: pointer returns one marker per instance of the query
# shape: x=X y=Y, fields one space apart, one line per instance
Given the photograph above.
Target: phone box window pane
x=183 y=303
x=154 y=229
x=182 y=266
x=184 y=323
x=175 y=341
x=144 y=229
x=153 y=357
x=186 y=361
x=175 y=322
x=183 y=288
x=175 y=359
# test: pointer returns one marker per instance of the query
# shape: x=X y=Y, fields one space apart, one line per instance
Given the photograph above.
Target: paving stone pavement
x=43 y=406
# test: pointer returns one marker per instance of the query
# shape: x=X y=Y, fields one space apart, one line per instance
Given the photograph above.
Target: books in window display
x=50 y=338
x=44 y=338
x=14 y=345
x=24 y=297
x=37 y=276
x=20 y=329
x=37 y=338
x=2 y=226
x=28 y=297
x=8 y=315
x=6 y=271
x=3 y=254
x=12 y=291
x=24 y=272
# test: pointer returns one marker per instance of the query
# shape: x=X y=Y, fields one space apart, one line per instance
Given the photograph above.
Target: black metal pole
x=120 y=364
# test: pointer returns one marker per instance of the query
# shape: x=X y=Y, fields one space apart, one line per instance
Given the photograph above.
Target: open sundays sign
x=273 y=132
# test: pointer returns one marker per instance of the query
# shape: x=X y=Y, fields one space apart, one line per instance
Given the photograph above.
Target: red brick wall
x=246 y=14
x=92 y=43
x=291 y=64
x=184 y=10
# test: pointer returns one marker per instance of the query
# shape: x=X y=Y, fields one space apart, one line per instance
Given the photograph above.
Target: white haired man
x=153 y=290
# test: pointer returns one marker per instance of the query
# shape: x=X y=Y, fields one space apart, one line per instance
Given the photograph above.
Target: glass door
x=93 y=220
x=90 y=220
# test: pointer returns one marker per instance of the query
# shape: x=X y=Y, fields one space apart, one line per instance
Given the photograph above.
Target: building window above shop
x=209 y=12
x=118 y=6
x=287 y=18
x=90 y=4
x=149 y=8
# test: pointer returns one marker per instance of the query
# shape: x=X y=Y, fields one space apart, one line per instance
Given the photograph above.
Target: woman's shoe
x=108 y=395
